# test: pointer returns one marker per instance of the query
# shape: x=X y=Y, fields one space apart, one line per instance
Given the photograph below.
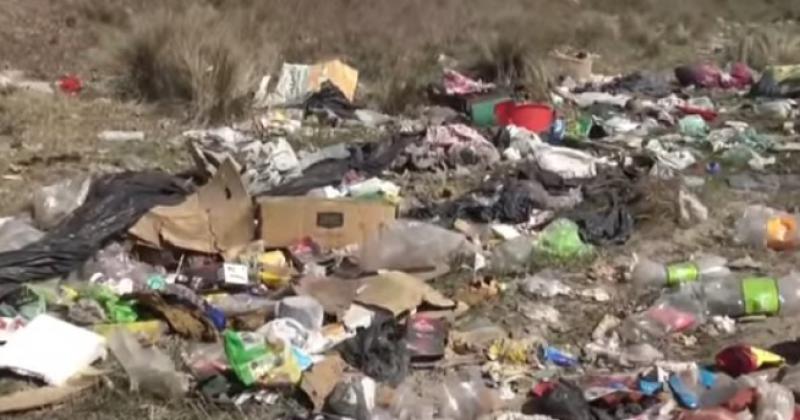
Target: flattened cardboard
x=217 y=218
x=399 y=292
x=334 y=294
x=319 y=382
x=333 y=223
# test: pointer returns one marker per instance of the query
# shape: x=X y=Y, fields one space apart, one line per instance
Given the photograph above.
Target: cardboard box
x=333 y=223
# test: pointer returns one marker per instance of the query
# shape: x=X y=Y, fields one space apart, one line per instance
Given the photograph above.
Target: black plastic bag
x=115 y=202
x=330 y=103
x=379 y=351
x=564 y=402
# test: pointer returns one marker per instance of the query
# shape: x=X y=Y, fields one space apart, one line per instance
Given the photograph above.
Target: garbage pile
x=323 y=272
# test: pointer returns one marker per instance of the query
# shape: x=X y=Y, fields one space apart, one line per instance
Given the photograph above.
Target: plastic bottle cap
x=781 y=232
x=761 y=296
x=678 y=274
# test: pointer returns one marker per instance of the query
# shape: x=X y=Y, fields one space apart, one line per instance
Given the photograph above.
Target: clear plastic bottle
x=752 y=296
x=689 y=307
x=765 y=227
x=648 y=274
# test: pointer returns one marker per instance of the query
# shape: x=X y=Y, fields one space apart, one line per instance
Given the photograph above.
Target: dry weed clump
x=207 y=52
x=761 y=47
x=196 y=55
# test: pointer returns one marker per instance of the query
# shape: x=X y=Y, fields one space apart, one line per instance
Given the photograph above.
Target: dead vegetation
x=763 y=46
x=209 y=52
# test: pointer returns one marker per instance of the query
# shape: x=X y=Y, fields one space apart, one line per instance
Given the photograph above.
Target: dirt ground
x=44 y=139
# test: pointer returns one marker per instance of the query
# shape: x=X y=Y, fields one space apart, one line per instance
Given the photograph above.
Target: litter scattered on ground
x=458 y=263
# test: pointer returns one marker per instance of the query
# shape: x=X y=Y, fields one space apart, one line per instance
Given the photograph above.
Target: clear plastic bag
x=465 y=399
x=775 y=402
x=113 y=266
x=410 y=244
x=148 y=369
x=53 y=203
x=513 y=256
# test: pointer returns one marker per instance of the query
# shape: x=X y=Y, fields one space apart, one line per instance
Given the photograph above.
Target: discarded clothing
x=115 y=202
x=604 y=216
x=379 y=350
x=458 y=144
x=711 y=76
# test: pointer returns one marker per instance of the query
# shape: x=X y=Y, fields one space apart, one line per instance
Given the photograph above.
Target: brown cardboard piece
x=338 y=73
x=333 y=293
x=320 y=381
x=30 y=399
x=333 y=223
x=399 y=292
x=217 y=218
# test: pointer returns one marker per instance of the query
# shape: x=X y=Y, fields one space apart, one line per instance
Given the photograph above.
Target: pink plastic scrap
x=456 y=83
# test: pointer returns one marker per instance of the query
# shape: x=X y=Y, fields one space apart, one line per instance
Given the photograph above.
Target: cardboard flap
x=218 y=217
x=399 y=292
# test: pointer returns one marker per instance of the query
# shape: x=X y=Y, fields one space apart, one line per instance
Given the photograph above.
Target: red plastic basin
x=534 y=117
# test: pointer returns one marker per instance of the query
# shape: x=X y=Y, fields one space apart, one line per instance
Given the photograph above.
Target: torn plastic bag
x=53 y=203
x=115 y=202
x=604 y=216
x=263 y=165
x=16 y=233
x=370 y=159
x=330 y=104
x=408 y=244
x=148 y=369
x=379 y=350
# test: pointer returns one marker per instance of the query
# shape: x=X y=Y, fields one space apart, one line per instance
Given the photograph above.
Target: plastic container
x=483 y=110
x=761 y=226
x=649 y=274
x=537 y=118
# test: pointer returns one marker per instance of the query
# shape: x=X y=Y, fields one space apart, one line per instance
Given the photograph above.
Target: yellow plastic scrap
x=511 y=351
x=274 y=270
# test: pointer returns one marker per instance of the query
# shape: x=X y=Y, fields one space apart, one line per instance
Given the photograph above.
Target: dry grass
x=762 y=46
x=193 y=54
x=207 y=54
